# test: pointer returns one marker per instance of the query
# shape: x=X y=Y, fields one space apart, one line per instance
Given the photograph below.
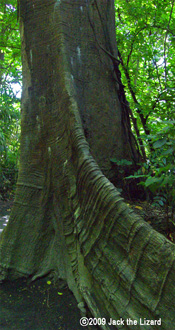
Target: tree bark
x=68 y=218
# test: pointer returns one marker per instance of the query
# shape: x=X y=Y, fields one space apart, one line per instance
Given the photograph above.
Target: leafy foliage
x=10 y=82
x=146 y=40
x=158 y=174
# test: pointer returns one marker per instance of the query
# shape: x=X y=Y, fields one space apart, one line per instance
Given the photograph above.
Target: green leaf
x=152 y=181
x=168 y=151
x=136 y=176
x=121 y=162
x=159 y=143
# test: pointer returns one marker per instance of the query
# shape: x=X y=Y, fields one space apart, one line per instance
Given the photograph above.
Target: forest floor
x=37 y=306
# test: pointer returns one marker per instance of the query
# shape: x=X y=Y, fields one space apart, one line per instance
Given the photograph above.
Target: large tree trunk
x=67 y=217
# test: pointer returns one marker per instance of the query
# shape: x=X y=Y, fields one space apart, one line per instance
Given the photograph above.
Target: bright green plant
x=146 y=40
x=158 y=174
x=10 y=86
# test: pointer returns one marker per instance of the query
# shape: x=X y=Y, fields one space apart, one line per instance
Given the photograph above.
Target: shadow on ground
x=37 y=306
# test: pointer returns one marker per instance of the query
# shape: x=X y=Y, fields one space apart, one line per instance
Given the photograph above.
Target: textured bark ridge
x=67 y=217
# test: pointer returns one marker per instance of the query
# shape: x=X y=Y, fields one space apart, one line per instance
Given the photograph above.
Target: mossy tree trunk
x=68 y=218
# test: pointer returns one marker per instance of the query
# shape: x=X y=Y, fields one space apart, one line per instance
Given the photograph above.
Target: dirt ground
x=37 y=306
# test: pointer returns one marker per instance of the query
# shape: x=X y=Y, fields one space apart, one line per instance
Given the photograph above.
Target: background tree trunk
x=68 y=218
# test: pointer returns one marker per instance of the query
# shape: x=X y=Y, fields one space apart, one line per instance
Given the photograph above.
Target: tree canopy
x=146 y=38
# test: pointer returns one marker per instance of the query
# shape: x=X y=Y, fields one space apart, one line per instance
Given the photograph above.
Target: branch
x=154 y=104
x=166 y=34
x=157 y=70
x=9 y=46
x=132 y=44
x=147 y=26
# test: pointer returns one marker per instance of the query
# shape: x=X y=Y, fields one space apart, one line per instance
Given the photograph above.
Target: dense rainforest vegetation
x=10 y=82
x=146 y=37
